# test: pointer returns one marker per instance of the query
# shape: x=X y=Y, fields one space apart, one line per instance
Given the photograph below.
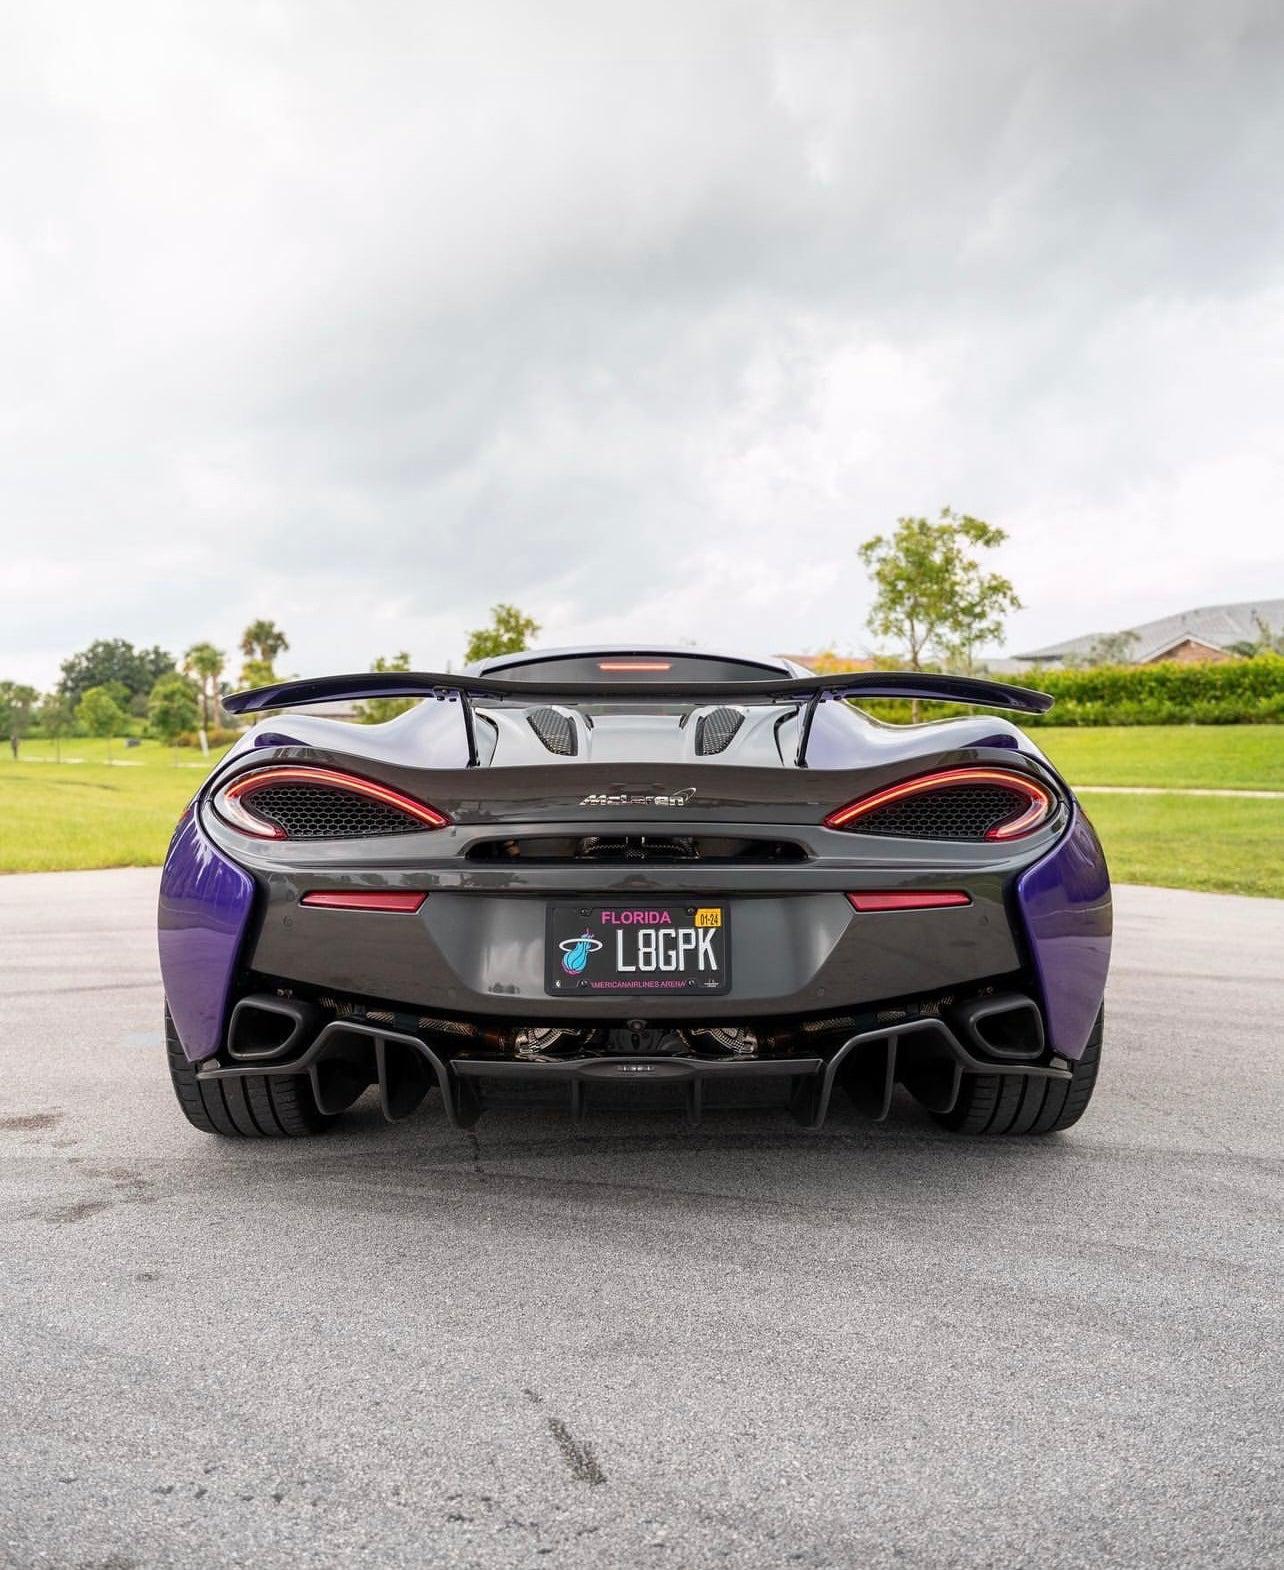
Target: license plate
x=661 y=947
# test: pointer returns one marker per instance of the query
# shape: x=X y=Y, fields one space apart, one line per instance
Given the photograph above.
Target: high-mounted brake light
x=635 y=665
x=1038 y=801
x=909 y=900
x=404 y=901
x=235 y=802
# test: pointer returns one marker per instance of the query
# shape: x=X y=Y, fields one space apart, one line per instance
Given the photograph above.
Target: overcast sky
x=364 y=316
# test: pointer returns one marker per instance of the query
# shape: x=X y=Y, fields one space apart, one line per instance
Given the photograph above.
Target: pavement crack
x=61 y=1215
x=580 y=1460
x=475 y=1149
x=105 y=986
x=30 y=1122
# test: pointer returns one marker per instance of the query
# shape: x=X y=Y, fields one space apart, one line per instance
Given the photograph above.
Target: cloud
x=367 y=317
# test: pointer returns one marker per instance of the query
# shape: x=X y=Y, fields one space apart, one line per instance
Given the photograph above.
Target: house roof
x=1219 y=626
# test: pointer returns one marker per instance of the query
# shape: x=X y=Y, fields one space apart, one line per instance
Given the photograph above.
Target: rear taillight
x=951 y=804
x=302 y=802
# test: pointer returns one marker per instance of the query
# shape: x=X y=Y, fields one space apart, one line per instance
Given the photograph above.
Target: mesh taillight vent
x=716 y=730
x=556 y=730
x=320 y=812
x=958 y=812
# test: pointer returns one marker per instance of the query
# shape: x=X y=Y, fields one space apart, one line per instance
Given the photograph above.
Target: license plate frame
x=696 y=967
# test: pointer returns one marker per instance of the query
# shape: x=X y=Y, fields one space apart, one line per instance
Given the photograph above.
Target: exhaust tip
x=1009 y=1028
x=262 y=1028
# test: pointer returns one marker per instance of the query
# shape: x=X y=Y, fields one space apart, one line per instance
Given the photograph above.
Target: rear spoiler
x=806 y=690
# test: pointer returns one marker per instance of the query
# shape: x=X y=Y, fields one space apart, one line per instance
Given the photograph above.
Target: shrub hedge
x=217 y=736
x=1230 y=692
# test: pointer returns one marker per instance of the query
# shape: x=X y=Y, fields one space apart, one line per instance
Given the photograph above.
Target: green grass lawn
x=1189 y=757
x=92 y=813
x=1226 y=846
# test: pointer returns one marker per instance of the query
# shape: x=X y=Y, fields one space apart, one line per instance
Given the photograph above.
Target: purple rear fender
x=1064 y=904
x=205 y=906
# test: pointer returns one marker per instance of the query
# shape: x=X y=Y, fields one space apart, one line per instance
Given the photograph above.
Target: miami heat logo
x=575 y=952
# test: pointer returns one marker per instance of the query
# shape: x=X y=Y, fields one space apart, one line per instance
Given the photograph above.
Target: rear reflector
x=909 y=901
x=406 y=901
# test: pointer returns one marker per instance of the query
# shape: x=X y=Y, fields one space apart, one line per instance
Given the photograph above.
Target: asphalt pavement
x=630 y=1344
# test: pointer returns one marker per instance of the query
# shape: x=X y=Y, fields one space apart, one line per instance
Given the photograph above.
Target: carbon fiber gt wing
x=808 y=691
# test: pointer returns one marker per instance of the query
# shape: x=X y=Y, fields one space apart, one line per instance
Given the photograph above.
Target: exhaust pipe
x=1007 y=1027
x=262 y=1028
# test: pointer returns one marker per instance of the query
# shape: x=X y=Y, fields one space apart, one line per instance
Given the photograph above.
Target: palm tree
x=261 y=642
x=205 y=662
x=265 y=640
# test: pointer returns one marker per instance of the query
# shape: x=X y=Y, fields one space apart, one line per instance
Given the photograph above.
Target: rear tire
x=253 y=1106
x=1013 y=1104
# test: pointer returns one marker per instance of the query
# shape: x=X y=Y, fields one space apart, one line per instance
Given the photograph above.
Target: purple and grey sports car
x=708 y=878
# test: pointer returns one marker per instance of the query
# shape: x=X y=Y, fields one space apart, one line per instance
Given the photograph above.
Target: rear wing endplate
x=806 y=691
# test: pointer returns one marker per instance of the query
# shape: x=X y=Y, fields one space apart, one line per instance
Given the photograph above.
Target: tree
x=113 y=660
x=16 y=705
x=205 y=662
x=261 y=642
x=100 y=714
x=1112 y=648
x=931 y=592
x=376 y=710
x=257 y=673
x=830 y=663
x=985 y=600
x=56 y=720
x=173 y=707
x=509 y=633
x=1267 y=641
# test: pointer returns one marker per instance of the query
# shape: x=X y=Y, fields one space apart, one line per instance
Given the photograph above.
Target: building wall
x=1191 y=652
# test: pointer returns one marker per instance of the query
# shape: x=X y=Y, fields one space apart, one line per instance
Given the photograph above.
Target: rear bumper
x=483 y=954
x=476 y=946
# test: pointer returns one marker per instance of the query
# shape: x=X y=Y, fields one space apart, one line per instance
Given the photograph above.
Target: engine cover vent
x=715 y=730
x=556 y=730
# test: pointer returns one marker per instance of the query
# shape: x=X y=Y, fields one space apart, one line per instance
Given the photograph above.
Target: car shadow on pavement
x=620 y=1160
